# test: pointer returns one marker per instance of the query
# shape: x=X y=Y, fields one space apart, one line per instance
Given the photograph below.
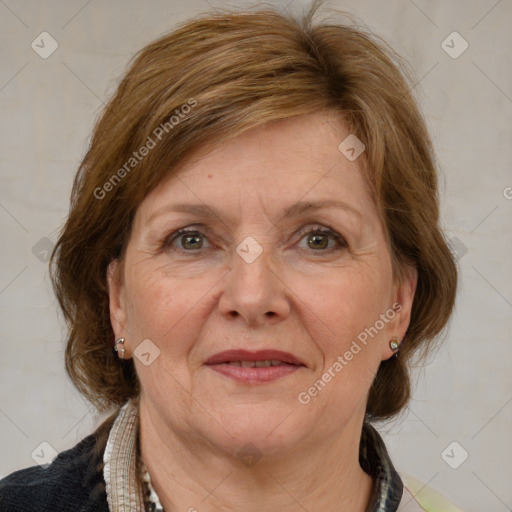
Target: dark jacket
x=73 y=482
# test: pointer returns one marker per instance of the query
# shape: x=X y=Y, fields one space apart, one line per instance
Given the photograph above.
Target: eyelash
x=317 y=230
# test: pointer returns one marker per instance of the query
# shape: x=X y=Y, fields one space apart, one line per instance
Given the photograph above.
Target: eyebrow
x=294 y=210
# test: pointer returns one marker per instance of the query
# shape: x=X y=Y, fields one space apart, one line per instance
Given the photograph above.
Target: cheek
x=158 y=305
x=345 y=304
x=336 y=318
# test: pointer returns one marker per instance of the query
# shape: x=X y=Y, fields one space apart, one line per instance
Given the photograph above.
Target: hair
x=206 y=82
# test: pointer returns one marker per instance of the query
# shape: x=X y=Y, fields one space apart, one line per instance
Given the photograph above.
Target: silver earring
x=118 y=349
x=394 y=344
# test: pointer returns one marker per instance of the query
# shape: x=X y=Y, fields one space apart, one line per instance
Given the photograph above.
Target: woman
x=251 y=260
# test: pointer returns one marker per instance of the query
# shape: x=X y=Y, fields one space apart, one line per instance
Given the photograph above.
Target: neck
x=190 y=474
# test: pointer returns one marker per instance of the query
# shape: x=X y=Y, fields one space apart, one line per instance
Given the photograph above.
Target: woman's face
x=315 y=283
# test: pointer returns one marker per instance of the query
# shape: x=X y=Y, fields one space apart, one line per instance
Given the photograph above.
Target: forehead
x=271 y=166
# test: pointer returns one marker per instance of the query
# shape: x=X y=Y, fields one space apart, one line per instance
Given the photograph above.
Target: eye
x=189 y=238
x=192 y=239
x=318 y=239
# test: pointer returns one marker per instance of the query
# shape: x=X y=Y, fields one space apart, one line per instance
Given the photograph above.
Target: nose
x=255 y=291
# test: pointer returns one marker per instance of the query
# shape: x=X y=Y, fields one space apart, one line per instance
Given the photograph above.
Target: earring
x=394 y=344
x=121 y=350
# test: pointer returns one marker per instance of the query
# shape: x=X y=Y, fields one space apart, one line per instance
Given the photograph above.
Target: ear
x=403 y=297
x=116 y=298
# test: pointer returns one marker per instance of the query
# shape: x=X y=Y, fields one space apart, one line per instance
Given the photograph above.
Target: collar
x=374 y=459
x=123 y=488
x=122 y=465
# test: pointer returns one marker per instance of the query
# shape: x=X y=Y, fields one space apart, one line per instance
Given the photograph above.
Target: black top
x=73 y=482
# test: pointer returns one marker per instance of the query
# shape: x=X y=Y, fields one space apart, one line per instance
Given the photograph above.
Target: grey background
x=48 y=109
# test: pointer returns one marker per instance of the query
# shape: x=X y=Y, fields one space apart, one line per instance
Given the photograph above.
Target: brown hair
x=209 y=80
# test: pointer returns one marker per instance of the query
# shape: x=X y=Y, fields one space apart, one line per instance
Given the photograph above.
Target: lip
x=219 y=363
x=228 y=356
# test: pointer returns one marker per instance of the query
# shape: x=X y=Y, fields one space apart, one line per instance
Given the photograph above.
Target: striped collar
x=121 y=458
x=125 y=491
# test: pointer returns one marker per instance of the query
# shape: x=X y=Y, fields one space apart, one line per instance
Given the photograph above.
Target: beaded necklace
x=151 y=500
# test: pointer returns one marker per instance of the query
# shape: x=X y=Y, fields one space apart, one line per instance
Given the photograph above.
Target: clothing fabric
x=102 y=474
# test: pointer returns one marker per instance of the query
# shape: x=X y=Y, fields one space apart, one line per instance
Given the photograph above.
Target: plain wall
x=48 y=108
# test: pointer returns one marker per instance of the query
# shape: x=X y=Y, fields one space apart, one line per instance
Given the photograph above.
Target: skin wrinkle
x=193 y=420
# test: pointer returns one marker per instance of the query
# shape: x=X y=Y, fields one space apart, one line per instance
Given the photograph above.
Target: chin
x=266 y=432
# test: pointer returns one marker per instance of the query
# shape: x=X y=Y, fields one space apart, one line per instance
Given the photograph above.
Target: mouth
x=254 y=367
